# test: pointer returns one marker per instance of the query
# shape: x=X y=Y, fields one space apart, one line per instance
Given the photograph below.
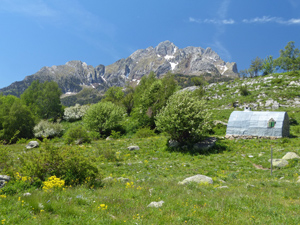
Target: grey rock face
x=198 y=179
x=165 y=57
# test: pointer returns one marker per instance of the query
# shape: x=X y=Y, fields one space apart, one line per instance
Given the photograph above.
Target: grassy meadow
x=251 y=195
x=119 y=184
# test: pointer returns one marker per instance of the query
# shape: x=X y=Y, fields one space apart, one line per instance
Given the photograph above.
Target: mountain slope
x=165 y=57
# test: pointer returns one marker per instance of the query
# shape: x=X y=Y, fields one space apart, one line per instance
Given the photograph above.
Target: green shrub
x=45 y=129
x=144 y=132
x=244 y=90
x=75 y=112
x=66 y=163
x=115 y=134
x=184 y=118
x=77 y=133
x=104 y=117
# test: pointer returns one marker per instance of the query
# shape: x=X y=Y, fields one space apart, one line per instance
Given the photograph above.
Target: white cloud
x=264 y=19
x=267 y=19
x=212 y=21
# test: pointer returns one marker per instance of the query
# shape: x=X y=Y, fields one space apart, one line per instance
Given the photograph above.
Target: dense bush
x=17 y=123
x=45 y=129
x=66 y=163
x=77 y=133
x=184 y=118
x=104 y=117
x=74 y=113
x=144 y=132
x=244 y=90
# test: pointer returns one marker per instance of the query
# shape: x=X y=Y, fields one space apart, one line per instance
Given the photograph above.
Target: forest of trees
x=289 y=60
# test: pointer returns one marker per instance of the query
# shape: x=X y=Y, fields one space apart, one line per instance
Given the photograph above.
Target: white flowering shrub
x=184 y=118
x=45 y=129
x=76 y=112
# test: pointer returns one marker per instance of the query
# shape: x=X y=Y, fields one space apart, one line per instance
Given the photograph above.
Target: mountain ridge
x=165 y=57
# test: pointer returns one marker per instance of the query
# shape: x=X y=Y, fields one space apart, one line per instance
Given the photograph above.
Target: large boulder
x=197 y=179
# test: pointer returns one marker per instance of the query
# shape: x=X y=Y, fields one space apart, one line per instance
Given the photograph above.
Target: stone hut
x=251 y=124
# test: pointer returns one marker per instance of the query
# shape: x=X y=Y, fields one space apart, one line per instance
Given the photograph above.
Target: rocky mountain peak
x=165 y=57
x=165 y=48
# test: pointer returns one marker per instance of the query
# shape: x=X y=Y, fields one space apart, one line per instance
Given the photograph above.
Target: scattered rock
x=32 y=144
x=173 y=144
x=222 y=187
x=216 y=122
x=206 y=144
x=108 y=179
x=132 y=148
x=156 y=204
x=79 y=141
x=198 y=179
x=279 y=162
x=290 y=155
x=26 y=194
x=122 y=179
x=5 y=177
x=3 y=180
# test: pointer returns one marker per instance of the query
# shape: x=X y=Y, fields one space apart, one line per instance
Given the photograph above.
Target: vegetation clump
x=77 y=133
x=46 y=129
x=74 y=113
x=184 y=118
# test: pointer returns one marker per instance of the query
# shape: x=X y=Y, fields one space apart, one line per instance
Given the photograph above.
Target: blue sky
x=37 y=33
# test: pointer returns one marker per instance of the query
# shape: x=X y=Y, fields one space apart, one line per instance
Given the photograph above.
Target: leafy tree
x=43 y=99
x=289 y=58
x=114 y=94
x=127 y=101
x=268 y=66
x=243 y=73
x=184 y=117
x=104 y=117
x=18 y=123
x=150 y=96
x=256 y=66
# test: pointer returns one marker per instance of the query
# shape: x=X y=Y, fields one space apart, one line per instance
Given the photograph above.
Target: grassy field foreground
x=243 y=191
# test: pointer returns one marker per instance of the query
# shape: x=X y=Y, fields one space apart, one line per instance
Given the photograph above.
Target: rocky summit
x=165 y=57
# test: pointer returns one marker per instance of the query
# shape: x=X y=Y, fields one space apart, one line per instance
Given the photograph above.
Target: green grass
x=253 y=196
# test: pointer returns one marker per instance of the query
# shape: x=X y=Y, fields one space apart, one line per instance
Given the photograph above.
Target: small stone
x=198 y=179
x=122 y=179
x=26 y=194
x=132 y=148
x=156 y=204
x=32 y=144
x=250 y=156
x=5 y=177
x=108 y=179
x=222 y=187
x=279 y=162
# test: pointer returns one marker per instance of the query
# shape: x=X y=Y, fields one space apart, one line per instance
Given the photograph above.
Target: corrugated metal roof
x=255 y=123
